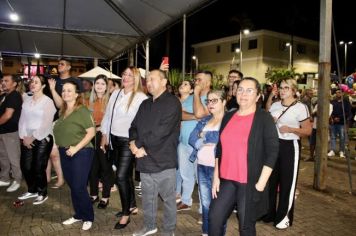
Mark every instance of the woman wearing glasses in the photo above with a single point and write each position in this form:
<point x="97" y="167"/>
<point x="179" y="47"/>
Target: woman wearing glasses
<point x="204" y="138"/>
<point x="245" y="156"/>
<point x="292" y="120"/>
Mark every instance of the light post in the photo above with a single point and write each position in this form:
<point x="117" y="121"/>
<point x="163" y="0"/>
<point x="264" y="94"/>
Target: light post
<point x="195" y="58"/>
<point x="290" y="54"/>
<point x="345" y="45"/>
<point x="245" y="32"/>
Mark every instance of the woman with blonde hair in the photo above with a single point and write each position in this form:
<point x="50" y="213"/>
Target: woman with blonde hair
<point x="73" y="132"/>
<point x="120" y="112"/>
<point x="101" y="168"/>
<point x="291" y="118"/>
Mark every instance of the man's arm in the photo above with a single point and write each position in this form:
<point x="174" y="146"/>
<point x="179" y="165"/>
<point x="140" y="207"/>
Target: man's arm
<point x="200" y="111"/>
<point x="9" y="112"/>
<point x="56" y="97"/>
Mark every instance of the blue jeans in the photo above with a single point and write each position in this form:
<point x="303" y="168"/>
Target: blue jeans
<point x="76" y="171"/>
<point x="337" y="130"/>
<point x="187" y="172"/>
<point x="205" y="180"/>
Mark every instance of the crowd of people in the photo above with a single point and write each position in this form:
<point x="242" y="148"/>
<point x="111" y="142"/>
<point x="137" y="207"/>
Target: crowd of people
<point x="239" y="145"/>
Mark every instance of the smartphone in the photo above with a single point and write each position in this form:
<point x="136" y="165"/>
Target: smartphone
<point x="165" y="60"/>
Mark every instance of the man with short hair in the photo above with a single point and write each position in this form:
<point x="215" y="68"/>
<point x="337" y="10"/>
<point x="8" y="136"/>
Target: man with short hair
<point x="233" y="76"/>
<point x="10" y="151"/>
<point x="153" y="138"/>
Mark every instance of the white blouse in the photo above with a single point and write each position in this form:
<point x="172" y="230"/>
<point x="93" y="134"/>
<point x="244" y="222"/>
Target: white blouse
<point x="36" y="117"/>
<point x="122" y="117"/>
<point x="292" y="117"/>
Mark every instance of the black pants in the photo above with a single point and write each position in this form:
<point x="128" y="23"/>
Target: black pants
<point x="34" y="163"/>
<point x="231" y="194"/>
<point x="284" y="175"/>
<point x="100" y="169"/>
<point x="124" y="159"/>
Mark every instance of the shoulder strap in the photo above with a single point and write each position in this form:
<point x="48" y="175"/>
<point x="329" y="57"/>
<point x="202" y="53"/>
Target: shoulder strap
<point x="295" y="102"/>
<point x="112" y="115"/>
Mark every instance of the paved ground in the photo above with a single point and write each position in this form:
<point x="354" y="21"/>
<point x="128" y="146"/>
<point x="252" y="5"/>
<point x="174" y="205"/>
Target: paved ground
<point x="332" y="212"/>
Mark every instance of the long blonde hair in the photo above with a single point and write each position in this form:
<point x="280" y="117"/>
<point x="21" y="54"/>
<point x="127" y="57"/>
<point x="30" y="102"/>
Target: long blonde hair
<point x="94" y="97"/>
<point x="137" y="84"/>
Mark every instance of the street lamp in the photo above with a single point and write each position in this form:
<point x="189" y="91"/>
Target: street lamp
<point x="345" y="45"/>
<point x="290" y="54"/>
<point x="245" y="32"/>
<point x="195" y="58"/>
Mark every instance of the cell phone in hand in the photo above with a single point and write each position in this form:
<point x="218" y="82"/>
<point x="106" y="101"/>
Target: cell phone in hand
<point x="165" y="60"/>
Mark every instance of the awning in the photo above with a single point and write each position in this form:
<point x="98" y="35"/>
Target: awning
<point x="101" y="29"/>
<point x="91" y="74"/>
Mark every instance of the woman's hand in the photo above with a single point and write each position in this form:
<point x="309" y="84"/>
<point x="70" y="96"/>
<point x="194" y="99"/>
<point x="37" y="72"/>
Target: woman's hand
<point x="216" y="187"/>
<point x="71" y="151"/>
<point x="28" y="142"/>
<point x="284" y="129"/>
<point x="103" y="143"/>
<point x="260" y="187"/>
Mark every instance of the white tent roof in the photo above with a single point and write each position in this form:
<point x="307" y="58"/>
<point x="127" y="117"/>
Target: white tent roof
<point x="101" y="29"/>
<point x="97" y="71"/>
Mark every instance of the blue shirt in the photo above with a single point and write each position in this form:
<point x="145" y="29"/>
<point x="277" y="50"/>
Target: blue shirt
<point x="187" y="126"/>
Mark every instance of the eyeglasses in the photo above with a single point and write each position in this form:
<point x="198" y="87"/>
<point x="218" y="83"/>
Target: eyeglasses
<point x="127" y="74"/>
<point x="61" y="64"/>
<point x="248" y="91"/>
<point x="285" y="89"/>
<point x="212" y="101"/>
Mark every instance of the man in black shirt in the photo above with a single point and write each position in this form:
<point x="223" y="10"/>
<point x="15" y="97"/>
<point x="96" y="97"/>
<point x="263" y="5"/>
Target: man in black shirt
<point x="10" y="152"/>
<point x="154" y="137"/>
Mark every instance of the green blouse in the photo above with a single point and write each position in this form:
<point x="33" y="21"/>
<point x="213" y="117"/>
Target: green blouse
<point x="71" y="130"/>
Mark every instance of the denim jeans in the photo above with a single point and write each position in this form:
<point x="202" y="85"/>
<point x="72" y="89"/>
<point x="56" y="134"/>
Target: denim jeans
<point x="187" y="171"/>
<point x="76" y="173"/>
<point x="205" y="179"/>
<point x="337" y="130"/>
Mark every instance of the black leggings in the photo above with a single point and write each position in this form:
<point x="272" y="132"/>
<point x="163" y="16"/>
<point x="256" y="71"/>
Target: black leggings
<point x="100" y="169"/>
<point x="231" y="194"/>
<point x="124" y="159"/>
<point x="34" y="163"/>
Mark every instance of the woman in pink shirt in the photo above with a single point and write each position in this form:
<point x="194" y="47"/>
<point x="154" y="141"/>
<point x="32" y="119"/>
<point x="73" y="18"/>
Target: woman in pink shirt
<point x="245" y="156"/>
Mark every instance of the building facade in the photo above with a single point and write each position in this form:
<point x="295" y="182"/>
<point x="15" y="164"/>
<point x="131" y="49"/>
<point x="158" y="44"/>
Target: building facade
<point x="261" y="50"/>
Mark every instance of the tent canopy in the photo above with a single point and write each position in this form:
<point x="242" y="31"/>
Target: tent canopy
<point x="101" y="29"/>
<point x="91" y="74"/>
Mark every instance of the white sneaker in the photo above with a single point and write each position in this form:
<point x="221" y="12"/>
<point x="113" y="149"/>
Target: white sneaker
<point x="87" y="225"/>
<point x="283" y="224"/>
<point x="40" y="199"/>
<point x="341" y="154"/>
<point x="13" y="187"/>
<point x="331" y="153"/>
<point x="144" y="232"/>
<point x="4" y="183"/>
<point x="27" y="195"/>
<point x="70" y="221"/>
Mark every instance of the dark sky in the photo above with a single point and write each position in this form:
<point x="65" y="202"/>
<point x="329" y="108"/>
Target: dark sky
<point x="224" y="17"/>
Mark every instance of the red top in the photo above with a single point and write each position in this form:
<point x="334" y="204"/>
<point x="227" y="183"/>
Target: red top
<point x="234" y="142"/>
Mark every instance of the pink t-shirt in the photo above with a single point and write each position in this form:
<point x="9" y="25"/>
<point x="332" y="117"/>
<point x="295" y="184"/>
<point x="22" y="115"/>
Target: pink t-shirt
<point x="234" y="141"/>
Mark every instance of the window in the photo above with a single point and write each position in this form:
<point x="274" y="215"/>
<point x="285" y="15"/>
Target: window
<point x="218" y="49"/>
<point x="234" y="46"/>
<point x="252" y="44"/>
<point x="301" y="49"/>
<point x="282" y="45"/>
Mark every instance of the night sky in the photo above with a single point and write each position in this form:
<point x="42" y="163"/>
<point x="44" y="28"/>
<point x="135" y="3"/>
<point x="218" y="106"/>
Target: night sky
<point x="224" y="17"/>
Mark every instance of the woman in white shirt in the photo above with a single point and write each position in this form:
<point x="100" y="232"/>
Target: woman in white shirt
<point x="121" y="110"/>
<point x="292" y="120"/>
<point x="35" y="131"/>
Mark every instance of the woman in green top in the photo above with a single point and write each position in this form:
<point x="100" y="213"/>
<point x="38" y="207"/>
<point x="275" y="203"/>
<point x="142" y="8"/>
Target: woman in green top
<point x="73" y="132"/>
